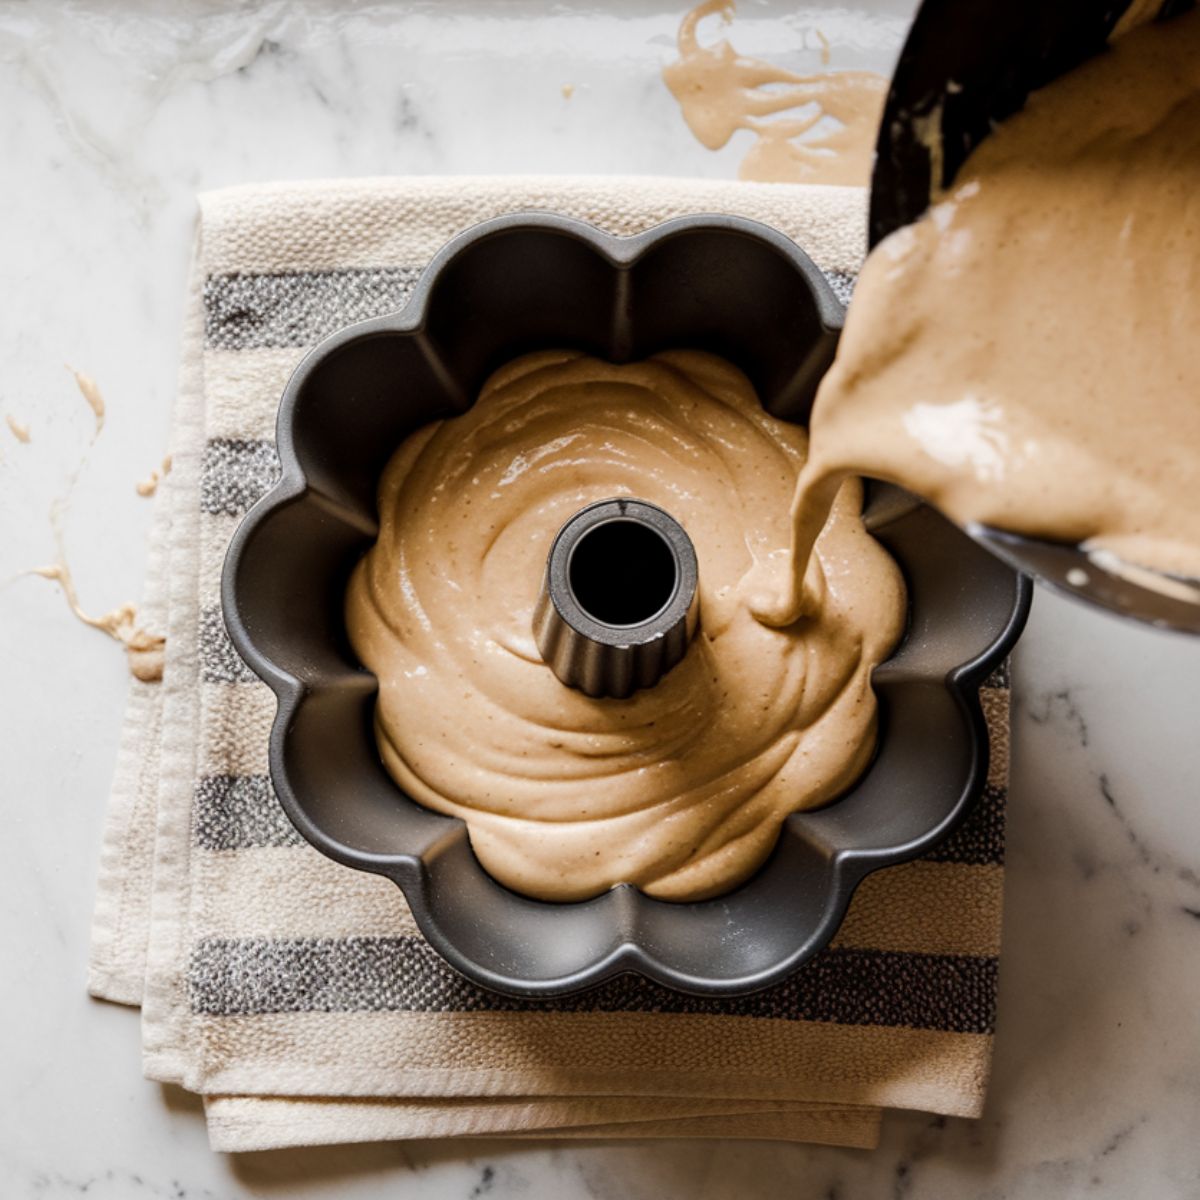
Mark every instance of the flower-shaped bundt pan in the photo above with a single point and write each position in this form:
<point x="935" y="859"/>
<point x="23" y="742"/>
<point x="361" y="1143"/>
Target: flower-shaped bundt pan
<point x="722" y="284"/>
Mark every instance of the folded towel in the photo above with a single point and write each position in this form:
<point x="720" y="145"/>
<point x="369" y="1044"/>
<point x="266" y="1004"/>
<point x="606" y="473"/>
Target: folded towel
<point x="297" y="995"/>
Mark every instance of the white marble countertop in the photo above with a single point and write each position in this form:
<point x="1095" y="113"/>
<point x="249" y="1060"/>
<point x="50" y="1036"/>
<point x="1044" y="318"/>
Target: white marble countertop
<point x="112" y="116"/>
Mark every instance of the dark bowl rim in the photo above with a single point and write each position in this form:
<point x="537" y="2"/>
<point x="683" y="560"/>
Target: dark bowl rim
<point x="848" y="866"/>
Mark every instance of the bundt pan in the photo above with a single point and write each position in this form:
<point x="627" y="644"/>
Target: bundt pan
<point x="515" y="284"/>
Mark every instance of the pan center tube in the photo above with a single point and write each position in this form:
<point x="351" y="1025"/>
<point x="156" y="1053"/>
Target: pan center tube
<point x="619" y="601"/>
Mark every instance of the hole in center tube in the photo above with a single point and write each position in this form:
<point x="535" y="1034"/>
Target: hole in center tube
<point x="622" y="573"/>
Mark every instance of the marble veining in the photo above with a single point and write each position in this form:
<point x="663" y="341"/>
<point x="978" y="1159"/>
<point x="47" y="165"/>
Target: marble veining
<point x="1058" y="706"/>
<point x="112" y="115"/>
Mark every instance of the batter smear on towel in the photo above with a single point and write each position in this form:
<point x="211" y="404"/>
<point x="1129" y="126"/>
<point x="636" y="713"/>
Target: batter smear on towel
<point x="682" y="788"/>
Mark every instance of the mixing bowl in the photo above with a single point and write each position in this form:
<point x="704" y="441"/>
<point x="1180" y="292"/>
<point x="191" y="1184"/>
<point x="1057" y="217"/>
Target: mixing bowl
<point x="519" y="283"/>
<point x="963" y="69"/>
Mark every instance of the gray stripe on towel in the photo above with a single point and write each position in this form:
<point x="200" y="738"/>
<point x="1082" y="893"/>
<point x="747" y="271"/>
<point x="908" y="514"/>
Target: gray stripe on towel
<point x="236" y="473"/>
<point x="842" y="283"/>
<point x="219" y="661"/>
<point x="240" y="977"/>
<point x="979" y="840"/>
<point x="297" y="308"/>
<point x="236" y="812"/>
<point x="1000" y="679"/>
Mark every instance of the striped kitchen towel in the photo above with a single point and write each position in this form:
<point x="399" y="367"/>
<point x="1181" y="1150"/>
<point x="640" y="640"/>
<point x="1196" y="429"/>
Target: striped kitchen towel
<point x="297" y="996"/>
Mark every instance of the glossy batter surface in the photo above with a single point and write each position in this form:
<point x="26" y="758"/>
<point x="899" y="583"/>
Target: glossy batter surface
<point x="682" y="788"/>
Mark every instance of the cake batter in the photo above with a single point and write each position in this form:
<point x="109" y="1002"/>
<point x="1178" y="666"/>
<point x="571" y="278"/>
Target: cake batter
<point x="682" y="788"/>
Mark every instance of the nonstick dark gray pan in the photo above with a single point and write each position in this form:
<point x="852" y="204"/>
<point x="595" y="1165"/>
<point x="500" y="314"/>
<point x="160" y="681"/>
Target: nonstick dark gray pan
<point x="518" y="283"/>
<point x="964" y="68"/>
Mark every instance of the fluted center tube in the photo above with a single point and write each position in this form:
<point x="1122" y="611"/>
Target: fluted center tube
<point x="619" y="600"/>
